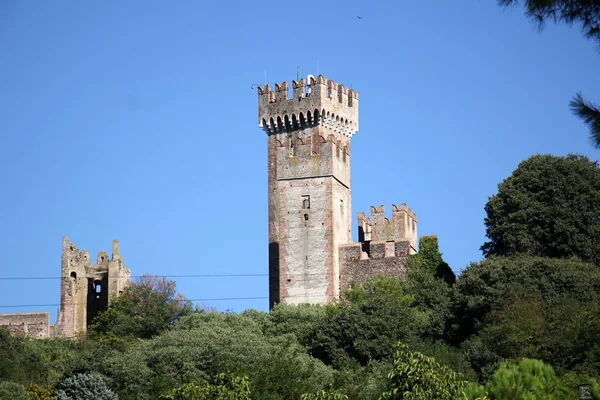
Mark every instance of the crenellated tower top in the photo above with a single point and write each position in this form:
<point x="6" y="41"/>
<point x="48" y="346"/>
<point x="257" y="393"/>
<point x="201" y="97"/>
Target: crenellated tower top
<point x="315" y="101"/>
<point x="402" y="227"/>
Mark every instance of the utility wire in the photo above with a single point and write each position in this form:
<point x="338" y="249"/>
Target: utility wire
<point x="17" y="278"/>
<point x="191" y="300"/>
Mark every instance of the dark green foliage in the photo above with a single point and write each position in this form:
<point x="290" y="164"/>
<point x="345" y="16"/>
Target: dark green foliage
<point x="590" y="114"/>
<point x="323" y="395"/>
<point x="84" y="386"/>
<point x="429" y="283"/>
<point x="585" y="12"/>
<point x="429" y="259"/>
<point x="301" y="320"/>
<point x="201" y="346"/>
<point x="226" y="387"/>
<point x="532" y="307"/>
<point x="446" y="355"/>
<point x="146" y="308"/>
<point x="12" y="391"/>
<point x="368" y="324"/>
<point x="416" y="376"/>
<point x="365" y="383"/>
<point x="548" y="207"/>
<point x="41" y="361"/>
<point x="486" y="285"/>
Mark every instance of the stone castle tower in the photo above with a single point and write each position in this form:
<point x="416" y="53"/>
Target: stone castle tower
<point x="311" y="254"/>
<point x="85" y="290"/>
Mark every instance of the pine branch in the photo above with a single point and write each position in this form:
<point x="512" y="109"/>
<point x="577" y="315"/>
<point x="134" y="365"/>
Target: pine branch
<point x="590" y="114"/>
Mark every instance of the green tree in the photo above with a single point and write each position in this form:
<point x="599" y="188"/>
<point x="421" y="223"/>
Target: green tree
<point x="549" y="207"/>
<point x="429" y="259"/>
<point x="527" y="380"/>
<point x="12" y="391"/>
<point x="227" y="387"/>
<point x="84" y="386"/>
<point x="416" y="376"/>
<point x="523" y="306"/>
<point x="203" y="345"/>
<point x="146" y="308"/>
<point x="585" y="12"/>
<point x="486" y="285"/>
<point x="429" y="283"/>
<point x="369" y="321"/>
<point x="324" y="395"/>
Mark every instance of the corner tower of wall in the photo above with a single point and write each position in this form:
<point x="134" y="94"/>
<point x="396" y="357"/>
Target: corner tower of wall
<point x="308" y="139"/>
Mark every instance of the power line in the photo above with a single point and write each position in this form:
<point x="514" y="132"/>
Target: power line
<point x="17" y="278"/>
<point x="191" y="300"/>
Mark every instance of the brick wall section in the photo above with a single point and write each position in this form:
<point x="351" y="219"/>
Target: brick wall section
<point x="35" y="325"/>
<point x="385" y="259"/>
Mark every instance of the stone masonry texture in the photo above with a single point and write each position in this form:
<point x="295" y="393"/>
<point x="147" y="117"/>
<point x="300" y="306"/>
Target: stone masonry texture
<point x="311" y="254"/>
<point x="86" y="290"/>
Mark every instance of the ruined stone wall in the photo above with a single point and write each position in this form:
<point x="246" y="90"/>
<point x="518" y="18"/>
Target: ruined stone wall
<point x="35" y="325"/>
<point x="87" y="288"/>
<point x="381" y="259"/>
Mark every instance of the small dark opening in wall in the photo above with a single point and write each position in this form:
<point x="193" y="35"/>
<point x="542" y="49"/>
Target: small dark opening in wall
<point x="74" y="275"/>
<point x="71" y="248"/>
<point x="306" y="201"/>
<point x="306" y="217"/>
<point x="102" y="258"/>
<point x="289" y="280"/>
<point x="366" y="247"/>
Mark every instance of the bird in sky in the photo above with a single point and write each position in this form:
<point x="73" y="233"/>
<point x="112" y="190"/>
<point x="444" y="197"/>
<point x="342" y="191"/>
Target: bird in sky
<point x="359" y="17"/>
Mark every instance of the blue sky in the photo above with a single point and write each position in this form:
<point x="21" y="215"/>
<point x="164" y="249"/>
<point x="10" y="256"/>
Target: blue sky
<point x="136" y="121"/>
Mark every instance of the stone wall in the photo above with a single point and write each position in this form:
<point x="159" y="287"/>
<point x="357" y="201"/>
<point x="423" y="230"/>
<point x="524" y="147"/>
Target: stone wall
<point x="29" y="324"/>
<point x="360" y="262"/>
<point x="86" y="290"/>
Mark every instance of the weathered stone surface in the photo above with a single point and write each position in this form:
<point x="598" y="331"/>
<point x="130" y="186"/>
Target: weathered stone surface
<point x="29" y="324"/>
<point x="309" y="186"/>
<point x="86" y="290"/>
<point x="311" y="254"/>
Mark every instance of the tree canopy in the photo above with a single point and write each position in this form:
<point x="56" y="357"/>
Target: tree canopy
<point x="549" y="207"/>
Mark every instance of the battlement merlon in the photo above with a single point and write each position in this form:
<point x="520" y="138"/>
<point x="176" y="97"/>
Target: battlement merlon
<point x="315" y="101"/>
<point x="402" y="227"/>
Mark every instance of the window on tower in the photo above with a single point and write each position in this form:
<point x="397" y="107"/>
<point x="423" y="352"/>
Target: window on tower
<point x="305" y="202"/>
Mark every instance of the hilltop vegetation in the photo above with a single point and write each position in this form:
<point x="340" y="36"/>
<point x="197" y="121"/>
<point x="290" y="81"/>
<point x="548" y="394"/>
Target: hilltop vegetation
<point x="521" y="324"/>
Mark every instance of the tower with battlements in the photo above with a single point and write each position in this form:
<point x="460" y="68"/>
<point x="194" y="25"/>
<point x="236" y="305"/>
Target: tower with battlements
<point x="308" y="137"/>
<point x="311" y="254"/>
